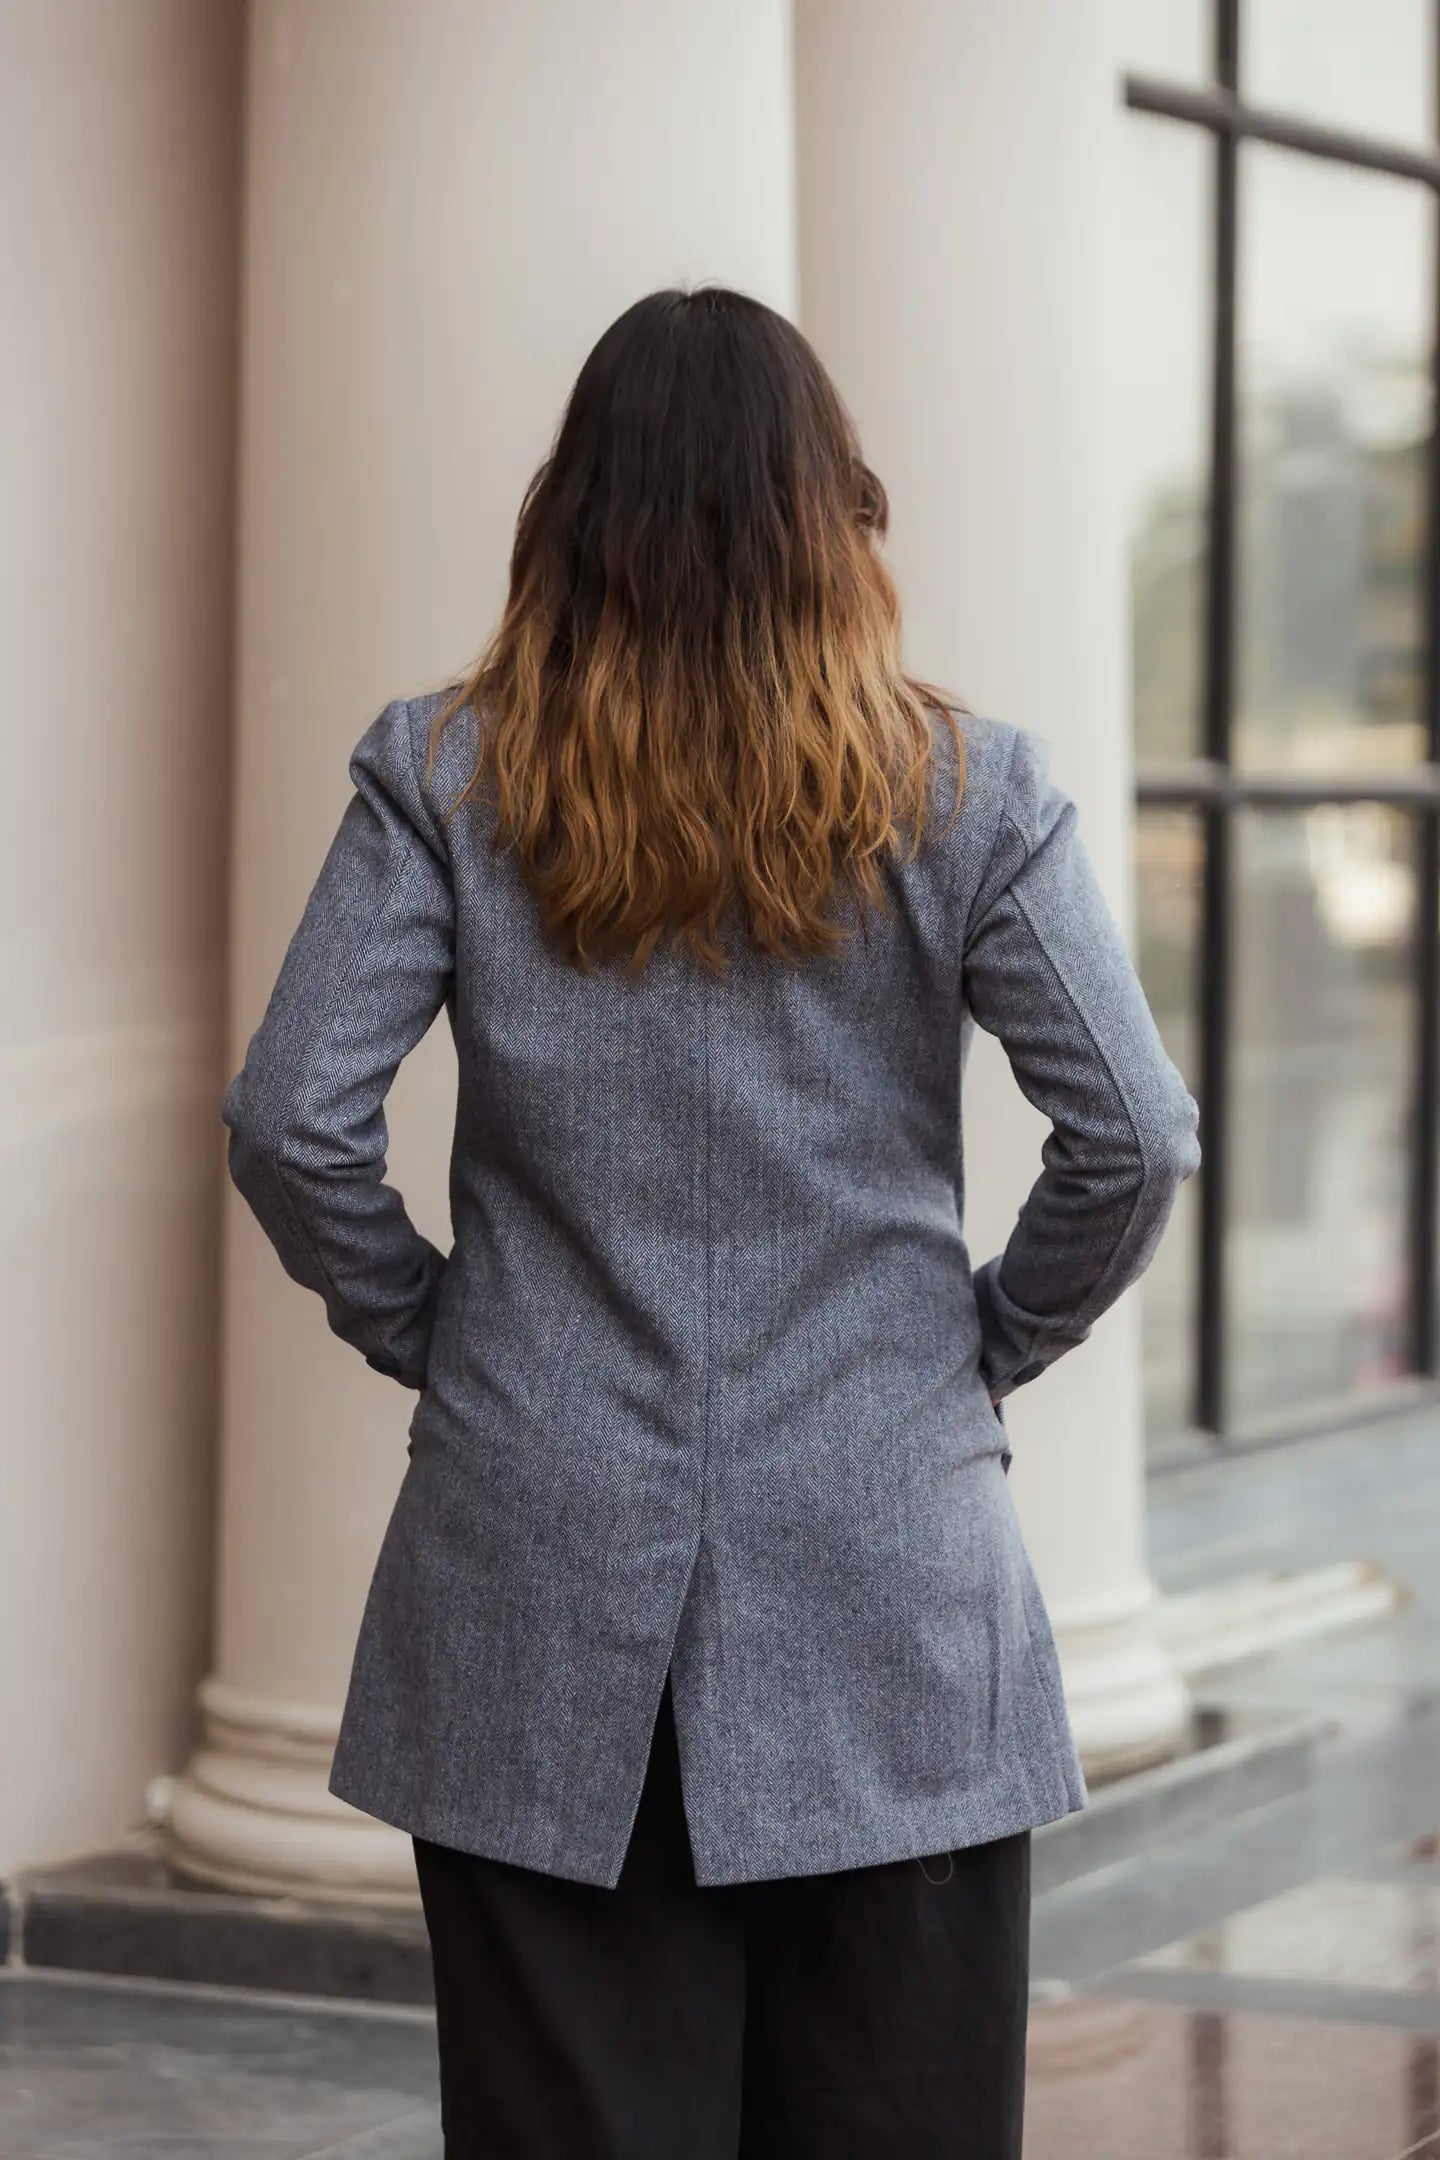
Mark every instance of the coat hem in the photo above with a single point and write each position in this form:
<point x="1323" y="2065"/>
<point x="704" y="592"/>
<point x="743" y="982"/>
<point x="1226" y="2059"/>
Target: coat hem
<point x="874" y="1850"/>
<point x="871" y="1849"/>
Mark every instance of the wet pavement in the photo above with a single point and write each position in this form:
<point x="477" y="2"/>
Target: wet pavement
<point x="1270" y="1989"/>
<point x="90" y="2069"/>
<point x="1302" y="2026"/>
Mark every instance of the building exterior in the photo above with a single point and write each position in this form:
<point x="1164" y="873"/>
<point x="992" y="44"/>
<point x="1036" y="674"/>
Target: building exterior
<point x="1287" y="699"/>
<point x="297" y="292"/>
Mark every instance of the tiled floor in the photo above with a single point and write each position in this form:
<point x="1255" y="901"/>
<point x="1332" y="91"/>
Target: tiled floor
<point x="91" y="2071"/>
<point x="1123" y="2080"/>
<point x="1351" y="1934"/>
<point x="1269" y="1990"/>
<point x="1303" y="2027"/>
<point x="94" y="2069"/>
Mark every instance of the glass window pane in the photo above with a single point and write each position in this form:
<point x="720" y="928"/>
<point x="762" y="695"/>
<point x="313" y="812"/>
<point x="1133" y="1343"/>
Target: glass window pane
<point x="1360" y="64"/>
<point x="1169" y="852"/>
<point x="1170" y="38"/>
<point x="1333" y="416"/>
<point x="1164" y="358"/>
<point x="1319" y="1152"/>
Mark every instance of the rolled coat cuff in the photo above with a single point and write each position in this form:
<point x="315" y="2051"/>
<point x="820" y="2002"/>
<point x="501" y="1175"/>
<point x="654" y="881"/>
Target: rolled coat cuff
<point x="1015" y="1346"/>
<point x="404" y="1354"/>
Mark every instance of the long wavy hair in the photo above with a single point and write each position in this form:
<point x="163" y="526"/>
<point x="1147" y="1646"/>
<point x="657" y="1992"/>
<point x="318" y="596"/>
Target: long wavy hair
<point x="694" y="701"/>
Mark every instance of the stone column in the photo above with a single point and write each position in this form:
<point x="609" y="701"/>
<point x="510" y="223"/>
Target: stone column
<point x="447" y="202"/>
<point x="119" y="160"/>
<point x="961" y="271"/>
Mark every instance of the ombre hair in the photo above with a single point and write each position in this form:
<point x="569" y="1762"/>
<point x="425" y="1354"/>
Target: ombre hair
<point x="694" y="702"/>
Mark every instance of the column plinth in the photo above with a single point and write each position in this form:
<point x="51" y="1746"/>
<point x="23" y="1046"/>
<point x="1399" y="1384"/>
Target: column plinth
<point x="253" y="1811"/>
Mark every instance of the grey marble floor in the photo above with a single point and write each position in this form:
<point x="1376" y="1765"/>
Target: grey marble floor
<point x="1270" y="1989"/>
<point x="99" y="2070"/>
<point x="1372" y="1495"/>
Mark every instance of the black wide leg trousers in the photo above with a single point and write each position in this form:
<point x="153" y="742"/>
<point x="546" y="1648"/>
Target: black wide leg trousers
<point x="876" y="2014"/>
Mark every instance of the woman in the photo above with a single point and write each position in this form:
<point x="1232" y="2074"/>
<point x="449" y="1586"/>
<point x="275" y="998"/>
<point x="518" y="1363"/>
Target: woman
<point x="703" y="1658"/>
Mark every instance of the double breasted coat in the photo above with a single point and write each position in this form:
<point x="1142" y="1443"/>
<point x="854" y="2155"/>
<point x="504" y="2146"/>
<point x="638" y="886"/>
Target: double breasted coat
<point x="707" y="1372"/>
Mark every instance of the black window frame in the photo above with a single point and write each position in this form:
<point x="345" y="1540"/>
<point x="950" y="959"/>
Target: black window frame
<point x="1214" y="788"/>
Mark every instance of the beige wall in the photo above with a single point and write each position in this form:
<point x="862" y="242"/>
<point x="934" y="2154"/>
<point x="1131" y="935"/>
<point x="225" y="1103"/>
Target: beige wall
<point x="118" y="156"/>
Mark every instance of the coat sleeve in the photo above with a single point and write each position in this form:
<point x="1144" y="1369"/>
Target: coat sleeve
<point x="1047" y="972"/>
<point x="366" y="973"/>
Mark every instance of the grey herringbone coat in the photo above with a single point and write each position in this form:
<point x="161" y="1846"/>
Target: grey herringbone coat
<point x="707" y="1374"/>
